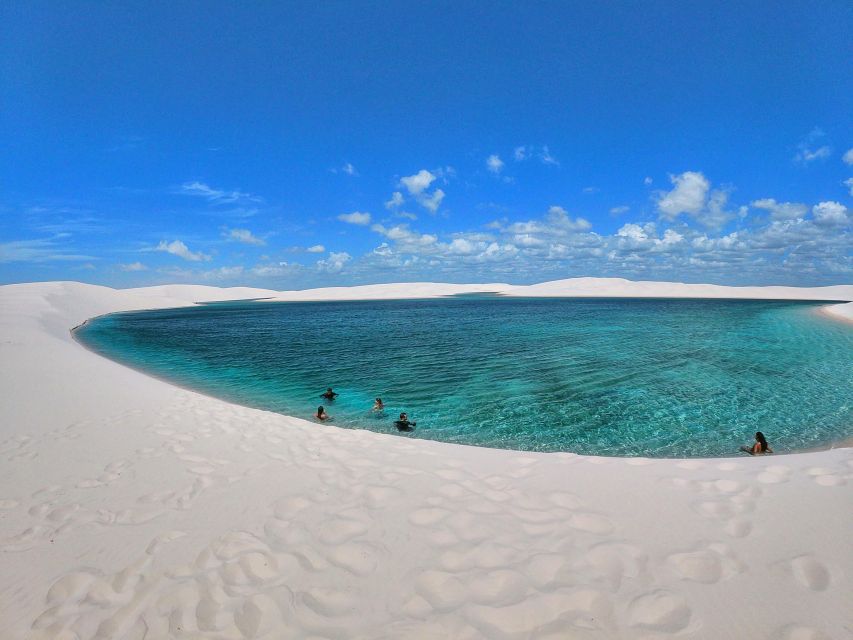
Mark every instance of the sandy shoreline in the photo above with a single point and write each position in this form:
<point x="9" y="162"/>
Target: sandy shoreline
<point x="130" y="508"/>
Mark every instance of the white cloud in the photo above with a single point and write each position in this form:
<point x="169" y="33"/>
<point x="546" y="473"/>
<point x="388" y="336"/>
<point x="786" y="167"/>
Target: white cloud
<point x="693" y="197"/>
<point x="520" y="153"/>
<point x="334" y="263"/>
<point x="243" y="235"/>
<point x="559" y="217"/>
<point x="830" y="214"/>
<point x="223" y="273"/>
<point x="133" y="266"/>
<point x="688" y="196"/>
<point x="647" y="180"/>
<point x="849" y="184"/>
<point x="349" y="169"/>
<point x="280" y="269"/>
<point x="808" y="152"/>
<point x="418" y="183"/>
<point x="806" y="155"/>
<point x="402" y="234"/>
<point x="217" y="196"/>
<point x="178" y="248"/>
<point x="616" y="211"/>
<point x="432" y="202"/>
<point x="848" y="157"/>
<point x="494" y="163"/>
<point x="395" y="201"/>
<point x="546" y="157"/>
<point x="781" y="210"/>
<point x="317" y="248"/>
<point x="356" y="217"/>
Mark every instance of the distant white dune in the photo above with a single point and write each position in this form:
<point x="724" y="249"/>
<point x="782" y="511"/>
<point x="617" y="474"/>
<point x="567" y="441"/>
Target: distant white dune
<point x="132" y="509"/>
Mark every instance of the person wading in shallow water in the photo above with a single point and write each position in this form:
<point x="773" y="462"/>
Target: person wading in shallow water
<point x="759" y="448"/>
<point x="329" y="395"/>
<point x="321" y="414"/>
<point x="403" y="423"/>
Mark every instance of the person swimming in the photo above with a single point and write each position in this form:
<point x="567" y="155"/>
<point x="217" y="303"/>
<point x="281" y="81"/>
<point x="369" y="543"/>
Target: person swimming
<point x="759" y="448"/>
<point x="321" y="414"/>
<point x="378" y="405"/>
<point x="329" y="395"/>
<point x="403" y="424"/>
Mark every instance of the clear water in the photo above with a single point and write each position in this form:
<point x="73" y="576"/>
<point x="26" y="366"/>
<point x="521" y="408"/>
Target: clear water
<point x="656" y="378"/>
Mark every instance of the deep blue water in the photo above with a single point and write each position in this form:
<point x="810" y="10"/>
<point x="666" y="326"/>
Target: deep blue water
<point x="611" y="377"/>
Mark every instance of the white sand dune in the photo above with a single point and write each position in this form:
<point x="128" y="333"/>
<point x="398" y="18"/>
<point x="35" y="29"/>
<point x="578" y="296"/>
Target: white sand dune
<point x="130" y="508"/>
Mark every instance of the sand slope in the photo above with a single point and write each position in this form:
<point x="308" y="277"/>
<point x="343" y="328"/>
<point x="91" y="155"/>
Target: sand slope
<point x="133" y="509"/>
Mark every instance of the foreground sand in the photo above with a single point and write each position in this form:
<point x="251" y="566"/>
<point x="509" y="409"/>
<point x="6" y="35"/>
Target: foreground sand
<point x="130" y="508"/>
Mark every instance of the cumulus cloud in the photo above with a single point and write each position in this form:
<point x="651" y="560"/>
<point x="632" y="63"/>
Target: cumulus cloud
<point x="809" y="151"/>
<point x="848" y="157"/>
<point x="133" y="266"/>
<point x="805" y="155"/>
<point x="692" y="196"/>
<point x="433" y="201"/>
<point x="217" y="196"/>
<point x="178" y="248"/>
<point x="781" y="210"/>
<point x="849" y="184"/>
<point x="334" y="263"/>
<point x="688" y="196"/>
<point x="418" y="183"/>
<point x="494" y="163"/>
<point x="528" y="152"/>
<point x="830" y="214"/>
<point x="317" y="248"/>
<point x="243" y="235"/>
<point x="618" y="211"/>
<point x="395" y="201"/>
<point x="557" y="244"/>
<point x="356" y="217"/>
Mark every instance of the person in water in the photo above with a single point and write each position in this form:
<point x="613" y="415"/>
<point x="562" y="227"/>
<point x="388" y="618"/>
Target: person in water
<point x="321" y="414"/>
<point x="403" y="424"/>
<point x="378" y="405"/>
<point x="329" y="395"/>
<point x="759" y="448"/>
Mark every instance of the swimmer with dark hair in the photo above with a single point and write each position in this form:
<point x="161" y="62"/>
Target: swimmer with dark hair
<point x="378" y="405"/>
<point x="329" y="395"/>
<point x="321" y="414"/>
<point x="403" y="424"/>
<point x="759" y="448"/>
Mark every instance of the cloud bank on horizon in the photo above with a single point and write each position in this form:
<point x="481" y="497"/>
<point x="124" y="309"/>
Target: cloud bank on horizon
<point x="140" y="150"/>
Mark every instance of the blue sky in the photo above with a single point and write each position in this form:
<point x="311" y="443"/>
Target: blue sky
<point x="288" y="145"/>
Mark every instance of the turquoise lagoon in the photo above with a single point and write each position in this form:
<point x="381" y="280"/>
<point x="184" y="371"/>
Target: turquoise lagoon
<point x="618" y="377"/>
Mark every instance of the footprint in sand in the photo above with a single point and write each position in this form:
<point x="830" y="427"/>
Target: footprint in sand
<point x="825" y="477"/>
<point x="797" y="632"/>
<point x="708" y="565"/>
<point x="443" y="591"/>
<point x="738" y="528"/>
<point x="661" y="611"/>
<point x="775" y="474"/>
<point x="810" y="572"/>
